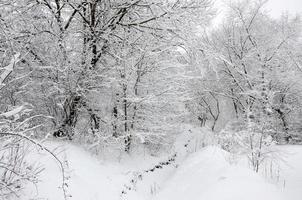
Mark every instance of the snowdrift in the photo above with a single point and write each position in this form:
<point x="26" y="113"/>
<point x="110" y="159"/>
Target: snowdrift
<point x="206" y="175"/>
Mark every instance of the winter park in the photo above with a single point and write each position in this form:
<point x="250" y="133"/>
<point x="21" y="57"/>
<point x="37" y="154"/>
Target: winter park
<point x="150" y="100"/>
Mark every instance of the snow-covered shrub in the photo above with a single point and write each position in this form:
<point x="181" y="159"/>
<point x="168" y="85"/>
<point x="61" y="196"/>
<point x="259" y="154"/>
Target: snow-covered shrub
<point x="256" y="144"/>
<point x="15" y="171"/>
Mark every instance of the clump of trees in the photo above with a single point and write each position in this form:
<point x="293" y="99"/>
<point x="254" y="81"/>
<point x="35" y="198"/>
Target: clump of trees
<point x="95" y="72"/>
<point x="252" y="67"/>
<point x="98" y="69"/>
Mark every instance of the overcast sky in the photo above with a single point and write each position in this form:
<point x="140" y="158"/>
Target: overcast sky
<point x="275" y="8"/>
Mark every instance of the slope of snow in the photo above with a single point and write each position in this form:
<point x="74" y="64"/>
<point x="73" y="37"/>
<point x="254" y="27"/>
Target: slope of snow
<point x="207" y="175"/>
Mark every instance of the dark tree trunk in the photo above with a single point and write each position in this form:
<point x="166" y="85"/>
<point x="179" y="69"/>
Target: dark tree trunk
<point x="85" y="38"/>
<point x="94" y="120"/>
<point x="70" y="107"/>
<point x="284" y="123"/>
<point x="115" y="134"/>
<point x="214" y="124"/>
<point x="94" y="51"/>
<point x="115" y="115"/>
<point x="125" y="107"/>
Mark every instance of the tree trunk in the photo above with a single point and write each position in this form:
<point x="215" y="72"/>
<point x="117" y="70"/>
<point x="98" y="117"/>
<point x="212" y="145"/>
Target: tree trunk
<point x="93" y="7"/>
<point x="70" y="107"/>
<point x="126" y="129"/>
<point x="214" y="124"/>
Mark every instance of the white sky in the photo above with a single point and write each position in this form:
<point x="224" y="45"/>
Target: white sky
<point x="277" y="7"/>
<point x="274" y="7"/>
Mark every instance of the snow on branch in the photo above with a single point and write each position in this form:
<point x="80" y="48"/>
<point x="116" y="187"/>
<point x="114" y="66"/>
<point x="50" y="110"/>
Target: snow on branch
<point x="42" y="147"/>
<point x="13" y="112"/>
<point x="9" y="68"/>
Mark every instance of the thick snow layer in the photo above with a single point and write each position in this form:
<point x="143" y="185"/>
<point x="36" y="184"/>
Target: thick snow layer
<point x="203" y="175"/>
<point x="207" y="175"/>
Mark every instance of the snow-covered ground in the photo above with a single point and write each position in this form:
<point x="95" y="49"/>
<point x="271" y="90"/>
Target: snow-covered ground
<point x="291" y="172"/>
<point x="87" y="178"/>
<point x="205" y="174"/>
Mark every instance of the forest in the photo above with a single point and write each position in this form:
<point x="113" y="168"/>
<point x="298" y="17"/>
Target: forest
<point x="147" y="82"/>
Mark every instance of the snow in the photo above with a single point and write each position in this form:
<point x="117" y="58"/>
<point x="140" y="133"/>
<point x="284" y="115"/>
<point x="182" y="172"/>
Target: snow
<point x="291" y="172"/>
<point x="13" y="112"/>
<point x="207" y="175"/>
<point x="89" y="179"/>
<point x="204" y="174"/>
<point x="9" y="68"/>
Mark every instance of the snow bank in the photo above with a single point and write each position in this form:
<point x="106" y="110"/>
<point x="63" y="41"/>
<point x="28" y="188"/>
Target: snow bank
<point x="207" y="175"/>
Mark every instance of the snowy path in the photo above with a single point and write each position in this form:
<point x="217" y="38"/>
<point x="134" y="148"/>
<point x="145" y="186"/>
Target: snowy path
<point x="292" y="172"/>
